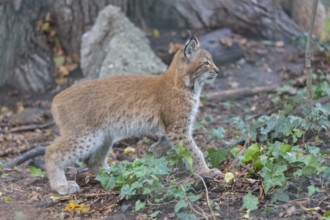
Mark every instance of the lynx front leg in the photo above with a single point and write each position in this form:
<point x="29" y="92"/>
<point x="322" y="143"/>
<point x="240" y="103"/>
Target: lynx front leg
<point x="199" y="164"/>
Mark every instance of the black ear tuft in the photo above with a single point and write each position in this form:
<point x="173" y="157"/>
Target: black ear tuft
<point x="191" y="46"/>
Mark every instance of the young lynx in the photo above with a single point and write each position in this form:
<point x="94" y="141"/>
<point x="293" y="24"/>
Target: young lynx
<point x="94" y="114"/>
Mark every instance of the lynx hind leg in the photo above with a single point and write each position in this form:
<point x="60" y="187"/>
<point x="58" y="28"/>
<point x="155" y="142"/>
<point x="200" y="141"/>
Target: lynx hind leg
<point x="57" y="156"/>
<point x="65" y="151"/>
<point x="160" y="147"/>
<point x="99" y="158"/>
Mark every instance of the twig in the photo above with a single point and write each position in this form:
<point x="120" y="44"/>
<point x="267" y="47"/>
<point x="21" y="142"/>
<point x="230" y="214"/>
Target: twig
<point x="207" y="195"/>
<point x="237" y="93"/>
<point x="30" y="127"/>
<point x="308" y="56"/>
<point x="322" y="100"/>
<point x="26" y="156"/>
<point x="246" y="145"/>
<point x="160" y="204"/>
<point x="91" y="195"/>
<point x="192" y="207"/>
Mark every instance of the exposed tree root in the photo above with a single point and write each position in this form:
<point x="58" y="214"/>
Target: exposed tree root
<point x="38" y="151"/>
<point x="242" y="92"/>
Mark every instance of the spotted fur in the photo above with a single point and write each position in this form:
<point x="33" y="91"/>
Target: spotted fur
<point x="94" y="114"/>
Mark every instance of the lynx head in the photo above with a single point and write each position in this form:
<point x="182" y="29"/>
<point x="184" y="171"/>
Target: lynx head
<point x="195" y="65"/>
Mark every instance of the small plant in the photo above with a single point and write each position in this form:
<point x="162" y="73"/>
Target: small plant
<point x="132" y="178"/>
<point x="288" y="96"/>
<point x="151" y="177"/>
<point x="280" y="151"/>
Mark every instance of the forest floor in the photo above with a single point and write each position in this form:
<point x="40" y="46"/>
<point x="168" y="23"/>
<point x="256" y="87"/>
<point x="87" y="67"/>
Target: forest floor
<point x="26" y="123"/>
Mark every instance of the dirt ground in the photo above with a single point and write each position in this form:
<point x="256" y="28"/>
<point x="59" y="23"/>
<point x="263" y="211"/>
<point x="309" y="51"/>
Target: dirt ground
<point x="23" y="196"/>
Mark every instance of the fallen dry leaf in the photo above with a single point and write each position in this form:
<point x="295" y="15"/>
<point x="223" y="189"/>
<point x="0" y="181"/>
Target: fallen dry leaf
<point x="61" y="80"/>
<point x="73" y="206"/>
<point x="226" y="41"/>
<point x="229" y="177"/>
<point x="63" y="71"/>
<point x="279" y="44"/>
<point x="129" y="150"/>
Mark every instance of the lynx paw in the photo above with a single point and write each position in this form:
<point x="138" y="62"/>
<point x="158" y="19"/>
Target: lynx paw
<point x="67" y="188"/>
<point x="96" y="169"/>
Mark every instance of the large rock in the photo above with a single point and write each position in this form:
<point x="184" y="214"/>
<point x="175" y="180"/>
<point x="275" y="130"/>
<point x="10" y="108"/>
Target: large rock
<point x="222" y="53"/>
<point x="114" y="46"/>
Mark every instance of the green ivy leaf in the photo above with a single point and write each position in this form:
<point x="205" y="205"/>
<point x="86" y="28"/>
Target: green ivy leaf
<point x="235" y="151"/>
<point x="182" y="152"/>
<point x="217" y="156"/>
<point x="139" y="205"/>
<point x="251" y="153"/>
<point x="154" y="214"/>
<point x="218" y="133"/>
<point x="37" y="172"/>
<point x="186" y="216"/>
<point x="179" y="205"/>
<point x="273" y="175"/>
<point x="250" y="202"/>
<point x="312" y="189"/>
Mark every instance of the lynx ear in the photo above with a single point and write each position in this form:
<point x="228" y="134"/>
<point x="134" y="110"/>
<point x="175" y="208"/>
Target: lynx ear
<point x="191" y="46"/>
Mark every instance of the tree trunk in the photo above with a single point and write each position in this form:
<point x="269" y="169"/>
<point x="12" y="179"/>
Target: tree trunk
<point x="25" y="58"/>
<point x="259" y="18"/>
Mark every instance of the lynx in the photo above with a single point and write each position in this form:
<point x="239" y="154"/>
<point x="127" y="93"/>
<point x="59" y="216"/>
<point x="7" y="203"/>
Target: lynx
<point x="94" y="114"/>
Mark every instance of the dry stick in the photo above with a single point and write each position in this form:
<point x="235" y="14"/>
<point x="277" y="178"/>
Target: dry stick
<point x="308" y="56"/>
<point x="192" y="206"/>
<point x="207" y="195"/>
<point x="26" y="156"/>
<point x="246" y="145"/>
<point x="235" y="93"/>
<point x="30" y="127"/>
<point x="322" y="100"/>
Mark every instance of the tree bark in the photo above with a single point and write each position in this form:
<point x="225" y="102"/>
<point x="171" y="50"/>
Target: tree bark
<point x="259" y="18"/>
<point x="25" y="57"/>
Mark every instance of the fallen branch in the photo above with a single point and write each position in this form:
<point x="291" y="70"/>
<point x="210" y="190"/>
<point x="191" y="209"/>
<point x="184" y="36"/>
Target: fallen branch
<point x="322" y="100"/>
<point x="247" y="144"/>
<point x="242" y="92"/>
<point x="30" y="127"/>
<point x="38" y="151"/>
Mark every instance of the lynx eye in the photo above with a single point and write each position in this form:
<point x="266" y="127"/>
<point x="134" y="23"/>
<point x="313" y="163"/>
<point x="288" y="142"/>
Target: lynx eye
<point x="207" y="62"/>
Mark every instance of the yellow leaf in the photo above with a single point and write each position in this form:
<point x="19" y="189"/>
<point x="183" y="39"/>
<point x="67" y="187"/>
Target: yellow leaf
<point x="299" y="154"/>
<point x="247" y="215"/>
<point x="6" y="198"/>
<point x="61" y="80"/>
<point x="73" y="206"/>
<point x="315" y="209"/>
<point x="45" y="27"/>
<point x="129" y="150"/>
<point x="63" y="70"/>
<point x="54" y="197"/>
<point x="226" y="41"/>
<point x="19" y="107"/>
<point x="229" y="177"/>
<point x="155" y="33"/>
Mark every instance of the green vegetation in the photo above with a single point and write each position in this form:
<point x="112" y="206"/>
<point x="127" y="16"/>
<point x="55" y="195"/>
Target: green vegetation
<point x="285" y="148"/>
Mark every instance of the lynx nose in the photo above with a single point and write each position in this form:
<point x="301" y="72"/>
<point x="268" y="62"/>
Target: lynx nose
<point x="217" y="71"/>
